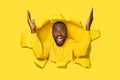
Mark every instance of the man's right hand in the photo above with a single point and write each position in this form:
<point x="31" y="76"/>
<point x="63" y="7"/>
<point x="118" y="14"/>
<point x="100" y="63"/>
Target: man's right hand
<point x="31" y="22"/>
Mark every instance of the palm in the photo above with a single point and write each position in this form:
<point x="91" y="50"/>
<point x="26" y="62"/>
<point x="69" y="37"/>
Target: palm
<point x="31" y="22"/>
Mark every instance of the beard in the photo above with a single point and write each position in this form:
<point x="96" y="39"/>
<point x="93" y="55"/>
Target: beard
<point x="59" y="40"/>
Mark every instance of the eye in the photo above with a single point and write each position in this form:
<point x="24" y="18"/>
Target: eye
<point x="55" y="30"/>
<point x="63" y="30"/>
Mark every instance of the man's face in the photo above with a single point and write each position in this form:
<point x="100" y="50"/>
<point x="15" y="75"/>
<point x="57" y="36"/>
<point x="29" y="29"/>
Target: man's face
<point x="59" y="33"/>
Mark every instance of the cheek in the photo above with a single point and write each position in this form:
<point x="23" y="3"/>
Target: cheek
<point x="64" y="34"/>
<point x="54" y="35"/>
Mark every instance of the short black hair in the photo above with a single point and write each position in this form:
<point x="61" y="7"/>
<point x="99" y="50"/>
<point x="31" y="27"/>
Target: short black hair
<point x="59" y="22"/>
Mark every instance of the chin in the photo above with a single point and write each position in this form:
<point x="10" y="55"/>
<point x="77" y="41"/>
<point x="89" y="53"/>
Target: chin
<point x="59" y="44"/>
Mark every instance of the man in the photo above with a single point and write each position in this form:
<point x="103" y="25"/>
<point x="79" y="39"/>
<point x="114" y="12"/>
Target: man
<point x="62" y="49"/>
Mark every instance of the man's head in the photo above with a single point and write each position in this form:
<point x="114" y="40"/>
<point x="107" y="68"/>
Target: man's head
<point x="59" y="33"/>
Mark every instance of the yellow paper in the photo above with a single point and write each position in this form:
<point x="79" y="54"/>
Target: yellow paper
<point x="17" y="63"/>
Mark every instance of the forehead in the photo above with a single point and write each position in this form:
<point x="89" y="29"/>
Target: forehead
<point x="59" y="25"/>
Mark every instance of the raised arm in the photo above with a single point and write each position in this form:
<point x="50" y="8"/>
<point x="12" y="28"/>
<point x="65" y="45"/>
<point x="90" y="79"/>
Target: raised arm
<point x="81" y="48"/>
<point x="38" y="49"/>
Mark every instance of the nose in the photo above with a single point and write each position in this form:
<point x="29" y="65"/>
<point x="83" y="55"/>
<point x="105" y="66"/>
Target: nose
<point x="59" y="32"/>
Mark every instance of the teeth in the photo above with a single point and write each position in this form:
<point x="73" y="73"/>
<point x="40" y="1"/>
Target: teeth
<point x="59" y="37"/>
<point x="59" y="40"/>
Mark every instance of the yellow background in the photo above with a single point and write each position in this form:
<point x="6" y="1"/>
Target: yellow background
<point x="16" y="63"/>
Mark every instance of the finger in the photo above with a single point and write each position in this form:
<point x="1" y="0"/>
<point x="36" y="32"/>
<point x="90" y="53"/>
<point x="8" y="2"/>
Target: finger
<point x="89" y="21"/>
<point x="28" y="15"/>
<point x="33" y="21"/>
<point x="91" y="14"/>
<point x="29" y="18"/>
<point x="91" y="11"/>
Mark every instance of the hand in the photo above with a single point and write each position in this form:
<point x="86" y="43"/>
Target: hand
<point x="31" y="22"/>
<point x="89" y="21"/>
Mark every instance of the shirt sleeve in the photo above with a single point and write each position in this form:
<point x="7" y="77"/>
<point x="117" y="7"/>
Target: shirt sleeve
<point x="32" y="41"/>
<point x="80" y="48"/>
<point x="94" y="34"/>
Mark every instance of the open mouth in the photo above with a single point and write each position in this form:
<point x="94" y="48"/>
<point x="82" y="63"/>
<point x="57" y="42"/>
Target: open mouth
<point x="59" y="39"/>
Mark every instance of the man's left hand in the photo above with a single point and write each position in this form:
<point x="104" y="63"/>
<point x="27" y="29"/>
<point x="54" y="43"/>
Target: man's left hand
<point x="89" y="21"/>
